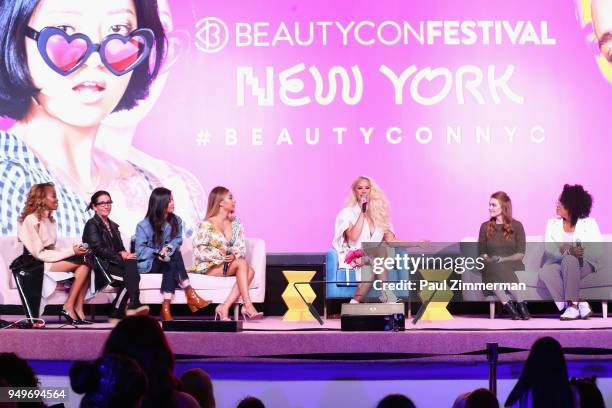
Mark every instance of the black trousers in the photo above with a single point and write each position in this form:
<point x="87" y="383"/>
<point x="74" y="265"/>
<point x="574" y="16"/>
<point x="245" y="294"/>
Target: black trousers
<point x="173" y="272"/>
<point x="131" y="282"/>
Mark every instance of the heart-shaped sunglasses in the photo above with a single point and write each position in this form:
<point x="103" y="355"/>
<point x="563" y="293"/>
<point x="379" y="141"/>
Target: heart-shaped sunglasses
<point x="66" y="53"/>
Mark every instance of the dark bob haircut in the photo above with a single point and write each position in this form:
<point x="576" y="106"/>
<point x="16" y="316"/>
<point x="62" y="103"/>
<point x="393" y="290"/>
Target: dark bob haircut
<point x="16" y="87"/>
<point x="94" y="198"/>
<point x="577" y="201"/>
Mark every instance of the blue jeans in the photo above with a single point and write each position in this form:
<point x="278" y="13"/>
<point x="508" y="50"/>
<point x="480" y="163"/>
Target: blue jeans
<point x="173" y="272"/>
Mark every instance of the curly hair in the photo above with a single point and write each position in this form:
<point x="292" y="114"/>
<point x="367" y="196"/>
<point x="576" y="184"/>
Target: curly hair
<point x="34" y="202"/>
<point x="506" y="206"/>
<point x="577" y="201"/>
<point x="378" y="206"/>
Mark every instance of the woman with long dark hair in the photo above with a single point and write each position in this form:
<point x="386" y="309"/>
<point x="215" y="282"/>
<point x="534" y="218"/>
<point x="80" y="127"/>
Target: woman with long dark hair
<point x="544" y="382"/>
<point x="104" y="239"/>
<point x="501" y="242"/>
<point x="573" y="249"/>
<point x="38" y="233"/>
<point x="219" y="249"/>
<point x="158" y="240"/>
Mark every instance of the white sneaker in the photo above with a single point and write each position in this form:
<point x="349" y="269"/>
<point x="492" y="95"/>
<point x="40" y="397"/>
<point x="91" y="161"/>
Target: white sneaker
<point x="571" y="313"/>
<point x="585" y="310"/>
<point x="353" y="301"/>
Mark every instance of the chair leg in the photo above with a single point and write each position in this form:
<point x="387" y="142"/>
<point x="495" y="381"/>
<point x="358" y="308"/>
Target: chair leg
<point x="325" y="309"/>
<point x="236" y="311"/>
<point x="491" y="309"/>
<point x="604" y="309"/>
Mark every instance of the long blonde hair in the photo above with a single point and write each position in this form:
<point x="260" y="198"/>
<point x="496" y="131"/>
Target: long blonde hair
<point x="378" y="207"/>
<point x="215" y="197"/>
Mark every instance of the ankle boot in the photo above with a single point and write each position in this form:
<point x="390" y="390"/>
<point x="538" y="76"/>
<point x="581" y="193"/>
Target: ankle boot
<point x="165" y="310"/>
<point x="522" y="309"/>
<point x="194" y="301"/>
<point x="511" y="309"/>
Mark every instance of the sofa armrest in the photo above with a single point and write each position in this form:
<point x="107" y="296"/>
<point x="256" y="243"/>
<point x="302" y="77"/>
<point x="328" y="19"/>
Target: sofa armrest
<point x="256" y="257"/>
<point x="331" y="265"/>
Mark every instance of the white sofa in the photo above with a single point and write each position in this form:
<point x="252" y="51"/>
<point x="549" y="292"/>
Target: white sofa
<point x="595" y="286"/>
<point x="209" y="287"/>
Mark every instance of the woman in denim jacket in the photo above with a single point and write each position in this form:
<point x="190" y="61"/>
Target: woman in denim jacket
<point x="158" y="242"/>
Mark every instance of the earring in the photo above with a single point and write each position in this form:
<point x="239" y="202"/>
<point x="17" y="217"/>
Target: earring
<point x="33" y="97"/>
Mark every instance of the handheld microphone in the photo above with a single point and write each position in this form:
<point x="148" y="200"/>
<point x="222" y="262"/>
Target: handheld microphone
<point x="162" y="258"/>
<point x="580" y="259"/>
<point x="226" y="264"/>
<point x="364" y="205"/>
<point x="85" y="246"/>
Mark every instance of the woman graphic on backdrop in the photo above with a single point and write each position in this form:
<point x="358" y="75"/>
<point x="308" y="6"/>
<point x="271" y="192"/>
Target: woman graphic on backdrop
<point x="65" y="67"/>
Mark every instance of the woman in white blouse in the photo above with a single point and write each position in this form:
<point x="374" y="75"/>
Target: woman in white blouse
<point x="573" y="248"/>
<point x="364" y="219"/>
<point x="38" y="233"/>
<point x="219" y="249"/>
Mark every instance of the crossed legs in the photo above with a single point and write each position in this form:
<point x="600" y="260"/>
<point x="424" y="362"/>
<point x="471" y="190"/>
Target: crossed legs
<point x="244" y="276"/>
<point x="76" y="296"/>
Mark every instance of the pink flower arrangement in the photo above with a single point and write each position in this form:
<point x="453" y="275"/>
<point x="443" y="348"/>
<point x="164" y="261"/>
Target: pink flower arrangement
<point x="352" y="255"/>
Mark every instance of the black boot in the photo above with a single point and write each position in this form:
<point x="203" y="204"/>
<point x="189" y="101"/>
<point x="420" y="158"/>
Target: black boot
<point x="118" y="307"/>
<point x="511" y="310"/>
<point x="522" y="308"/>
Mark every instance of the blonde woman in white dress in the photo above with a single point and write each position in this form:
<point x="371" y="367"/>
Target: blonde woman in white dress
<point x="364" y="219"/>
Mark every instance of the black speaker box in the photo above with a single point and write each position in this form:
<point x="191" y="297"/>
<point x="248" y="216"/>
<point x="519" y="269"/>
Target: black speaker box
<point x="202" y="325"/>
<point x="373" y="322"/>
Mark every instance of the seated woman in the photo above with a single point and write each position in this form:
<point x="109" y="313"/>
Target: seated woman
<point x="38" y="233"/>
<point x="573" y="249"/>
<point x="219" y="249"/>
<point x="501" y="243"/>
<point x="104" y="239"/>
<point x="365" y="219"/>
<point x="158" y="240"/>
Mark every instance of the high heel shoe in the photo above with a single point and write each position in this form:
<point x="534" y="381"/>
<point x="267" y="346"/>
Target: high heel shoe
<point x="70" y="319"/>
<point x="81" y="320"/>
<point x="221" y="317"/>
<point x="252" y="316"/>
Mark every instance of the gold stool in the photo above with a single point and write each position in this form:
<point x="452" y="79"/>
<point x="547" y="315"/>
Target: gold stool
<point x="436" y="309"/>
<point x="297" y="309"/>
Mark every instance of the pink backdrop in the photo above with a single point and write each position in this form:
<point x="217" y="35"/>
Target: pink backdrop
<point x="290" y="194"/>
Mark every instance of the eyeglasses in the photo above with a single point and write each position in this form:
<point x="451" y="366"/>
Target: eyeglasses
<point x="104" y="203"/>
<point x="66" y="53"/>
